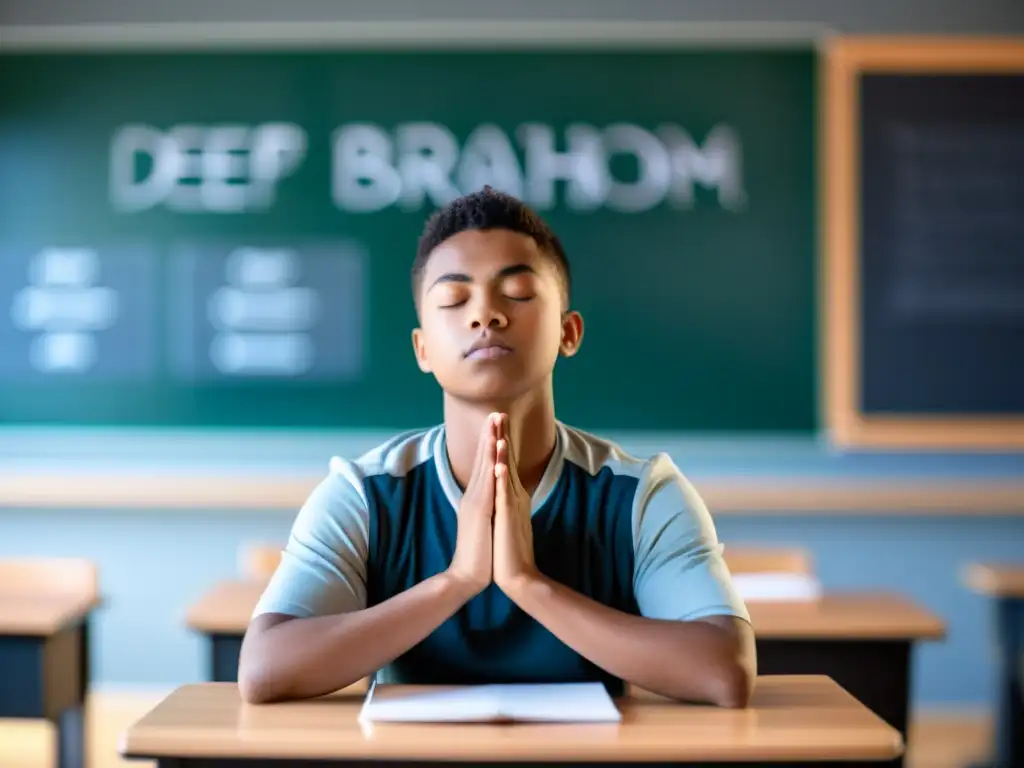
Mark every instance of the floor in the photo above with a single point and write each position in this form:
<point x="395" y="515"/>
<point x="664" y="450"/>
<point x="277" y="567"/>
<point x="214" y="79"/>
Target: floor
<point x="938" y="739"/>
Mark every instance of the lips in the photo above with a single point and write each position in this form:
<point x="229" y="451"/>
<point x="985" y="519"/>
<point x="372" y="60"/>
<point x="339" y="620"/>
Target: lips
<point x="489" y="352"/>
<point x="488" y="348"/>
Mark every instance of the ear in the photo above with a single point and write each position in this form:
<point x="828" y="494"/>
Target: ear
<point x="572" y="333"/>
<point x="419" y="348"/>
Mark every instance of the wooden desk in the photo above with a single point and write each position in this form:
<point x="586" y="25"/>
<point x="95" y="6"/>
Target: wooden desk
<point x="44" y="664"/>
<point x="862" y="641"/>
<point x="222" y="616"/>
<point x="1005" y="585"/>
<point x="792" y="720"/>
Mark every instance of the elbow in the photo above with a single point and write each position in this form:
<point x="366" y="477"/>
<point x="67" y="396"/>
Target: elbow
<point x="734" y="686"/>
<point x="253" y="686"/>
<point x="255" y="676"/>
<point x="259" y="678"/>
<point x="737" y="676"/>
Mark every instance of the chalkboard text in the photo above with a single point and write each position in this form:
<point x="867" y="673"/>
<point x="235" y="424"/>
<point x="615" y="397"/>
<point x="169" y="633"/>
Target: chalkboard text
<point x="202" y="168"/>
<point x="423" y="163"/>
<point x="237" y="168"/>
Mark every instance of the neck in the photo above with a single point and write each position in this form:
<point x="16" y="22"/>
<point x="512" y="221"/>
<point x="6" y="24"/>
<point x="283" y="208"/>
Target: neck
<point x="531" y="423"/>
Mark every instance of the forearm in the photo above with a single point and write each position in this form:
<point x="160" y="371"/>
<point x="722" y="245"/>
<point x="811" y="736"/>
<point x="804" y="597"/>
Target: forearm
<point x="303" y="658"/>
<point x="689" y="661"/>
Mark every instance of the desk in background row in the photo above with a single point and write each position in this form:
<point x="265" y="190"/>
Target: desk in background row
<point x="1005" y="585"/>
<point x="44" y="664"/>
<point x="862" y="641"/>
<point x="791" y="721"/>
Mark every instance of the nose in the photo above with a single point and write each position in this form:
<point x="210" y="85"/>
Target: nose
<point x="486" y="314"/>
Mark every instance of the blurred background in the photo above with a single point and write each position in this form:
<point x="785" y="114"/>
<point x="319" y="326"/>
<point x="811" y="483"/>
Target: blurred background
<point x="800" y="259"/>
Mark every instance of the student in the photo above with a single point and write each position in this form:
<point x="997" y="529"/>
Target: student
<point x="503" y="545"/>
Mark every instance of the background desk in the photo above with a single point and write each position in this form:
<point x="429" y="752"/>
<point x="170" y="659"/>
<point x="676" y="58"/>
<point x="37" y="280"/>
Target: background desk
<point x="1005" y="585"/>
<point x="44" y="665"/>
<point x="792" y="720"/>
<point x="861" y="641"/>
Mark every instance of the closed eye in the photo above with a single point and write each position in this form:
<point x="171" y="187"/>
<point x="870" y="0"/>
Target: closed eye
<point x="455" y="304"/>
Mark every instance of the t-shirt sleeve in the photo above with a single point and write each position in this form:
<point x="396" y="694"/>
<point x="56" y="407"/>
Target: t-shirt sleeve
<point x="680" y="572"/>
<point x="323" y="565"/>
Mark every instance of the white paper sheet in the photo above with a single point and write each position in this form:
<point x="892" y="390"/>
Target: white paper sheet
<point x="777" y="587"/>
<point x="558" y="702"/>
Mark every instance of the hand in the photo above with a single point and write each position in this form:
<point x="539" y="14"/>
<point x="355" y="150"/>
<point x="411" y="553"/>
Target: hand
<point x="472" y="562"/>
<point x="513" y="529"/>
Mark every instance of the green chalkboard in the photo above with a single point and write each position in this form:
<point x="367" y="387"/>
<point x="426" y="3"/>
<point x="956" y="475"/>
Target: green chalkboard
<point x="223" y="239"/>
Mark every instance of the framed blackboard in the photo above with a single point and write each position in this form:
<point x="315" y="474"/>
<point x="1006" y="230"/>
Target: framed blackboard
<point x="221" y="237"/>
<point x="923" y="292"/>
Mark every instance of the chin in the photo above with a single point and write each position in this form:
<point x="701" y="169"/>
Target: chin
<point x="491" y="389"/>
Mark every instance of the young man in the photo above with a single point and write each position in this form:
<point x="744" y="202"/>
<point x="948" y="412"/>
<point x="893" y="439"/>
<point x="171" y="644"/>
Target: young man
<point x="503" y="545"/>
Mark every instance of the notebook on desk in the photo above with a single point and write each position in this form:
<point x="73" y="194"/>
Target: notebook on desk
<point x="777" y="587"/>
<point x="517" y="702"/>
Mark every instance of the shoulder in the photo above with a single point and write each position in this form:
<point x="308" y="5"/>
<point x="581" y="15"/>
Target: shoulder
<point x="658" y="488"/>
<point x="341" y="499"/>
<point x="324" y="565"/>
<point x="597" y="454"/>
<point x="395" y="458"/>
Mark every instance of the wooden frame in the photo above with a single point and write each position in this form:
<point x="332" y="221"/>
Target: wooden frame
<point x="845" y="59"/>
<point x="416" y="34"/>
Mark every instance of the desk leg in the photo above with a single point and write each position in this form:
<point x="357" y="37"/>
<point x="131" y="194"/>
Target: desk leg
<point x="70" y="737"/>
<point x="875" y="672"/>
<point x="224" y="653"/>
<point x="70" y="722"/>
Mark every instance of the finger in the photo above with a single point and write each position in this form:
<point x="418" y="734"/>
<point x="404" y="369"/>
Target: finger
<point x="502" y="469"/>
<point x="493" y="435"/>
<point x="500" y="420"/>
<point x="485" y="450"/>
<point x="510" y="459"/>
<point x="501" y="495"/>
<point x="485" y="483"/>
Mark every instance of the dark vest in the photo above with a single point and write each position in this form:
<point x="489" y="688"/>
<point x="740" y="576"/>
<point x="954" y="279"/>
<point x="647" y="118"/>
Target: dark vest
<point x="583" y="538"/>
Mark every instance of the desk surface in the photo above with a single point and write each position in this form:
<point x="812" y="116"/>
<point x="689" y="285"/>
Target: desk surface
<point x="846" y="616"/>
<point x="790" y="718"/>
<point x="996" y="580"/>
<point x="40" y="614"/>
<point x="228" y="607"/>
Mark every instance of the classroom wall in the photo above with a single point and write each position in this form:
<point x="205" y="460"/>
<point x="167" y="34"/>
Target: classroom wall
<point x="155" y="563"/>
<point x="893" y="16"/>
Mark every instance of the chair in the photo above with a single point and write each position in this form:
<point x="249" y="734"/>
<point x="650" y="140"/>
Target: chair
<point x="257" y="561"/>
<point x="49" y="575"/>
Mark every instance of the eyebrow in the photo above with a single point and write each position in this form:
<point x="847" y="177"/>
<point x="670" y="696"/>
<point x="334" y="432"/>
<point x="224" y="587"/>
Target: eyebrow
<point x="460" y="277"/>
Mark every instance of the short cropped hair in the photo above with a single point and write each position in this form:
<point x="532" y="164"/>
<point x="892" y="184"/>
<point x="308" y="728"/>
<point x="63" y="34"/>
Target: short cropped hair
<point x="488" y="208"/>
